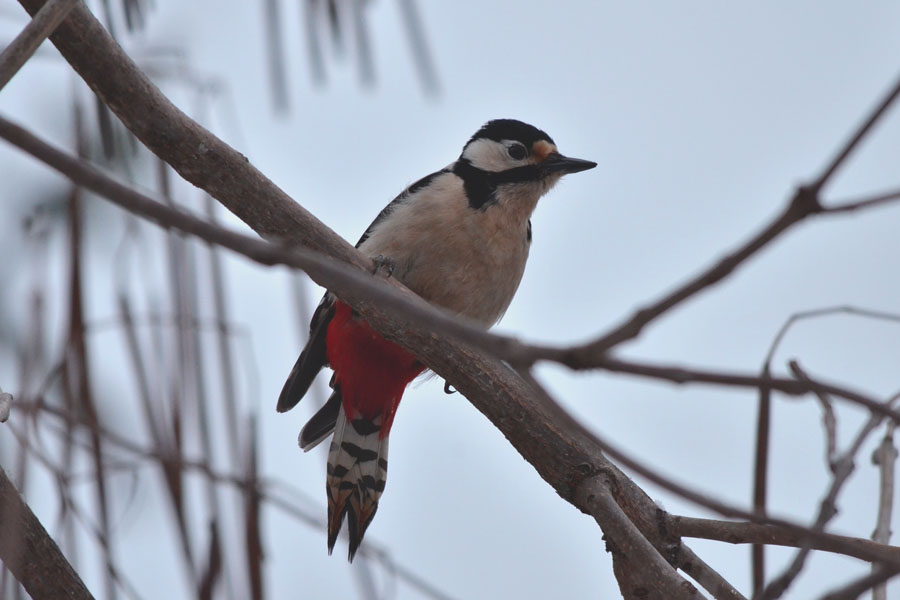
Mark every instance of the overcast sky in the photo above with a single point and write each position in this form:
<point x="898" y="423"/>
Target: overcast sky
<point x="703" y="116"/>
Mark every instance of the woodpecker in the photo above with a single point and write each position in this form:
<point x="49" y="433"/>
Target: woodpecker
<point x="459" y="238"/>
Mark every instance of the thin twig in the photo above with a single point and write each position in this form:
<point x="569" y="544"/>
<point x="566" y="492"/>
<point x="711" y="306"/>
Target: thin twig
<point x="190" y="371"/>
<point x="855" y="589"/>
<point x="743" y="532"/>
<point x="727" y="510"/>
<point x="829" y="420"/>
<point x="804" y="203"/>
<point x="33" y="35"/>
<point x="710" y="579"/>
<point x="275" y="56"/>
<point x="791" y="387"/>
<point x="784" y="526"/>
<point x="760" y="471"/>
<point x="419" y="46"/>
<point x="62" y="479"/>
<point x="77" y="384"/>
<point x="227" y="369"/>
<point x="761" y="475"/>
<point x="285" y="501"/>
<point x="827" y="508"/>
<point x="862" y="203"/>
<point x="861" y="132"/>
<point x="885" y="457"/>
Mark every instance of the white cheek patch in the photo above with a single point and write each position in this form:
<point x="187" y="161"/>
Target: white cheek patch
<point x="487" y="155"/>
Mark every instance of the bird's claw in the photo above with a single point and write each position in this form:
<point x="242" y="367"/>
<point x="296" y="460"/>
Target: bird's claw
<point x="384" y="262"/>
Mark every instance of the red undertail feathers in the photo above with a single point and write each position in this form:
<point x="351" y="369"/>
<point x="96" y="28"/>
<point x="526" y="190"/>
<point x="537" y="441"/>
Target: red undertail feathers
<point x="370" y="374"/>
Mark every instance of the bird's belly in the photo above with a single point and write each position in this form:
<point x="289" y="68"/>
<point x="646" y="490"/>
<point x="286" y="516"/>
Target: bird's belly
<point x="475" y="280"/>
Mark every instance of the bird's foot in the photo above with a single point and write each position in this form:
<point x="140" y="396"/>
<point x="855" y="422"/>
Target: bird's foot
<point x="384" y="263"/>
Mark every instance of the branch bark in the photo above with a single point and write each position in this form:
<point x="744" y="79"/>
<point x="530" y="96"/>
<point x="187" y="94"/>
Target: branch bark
<point x="31" y="555"/>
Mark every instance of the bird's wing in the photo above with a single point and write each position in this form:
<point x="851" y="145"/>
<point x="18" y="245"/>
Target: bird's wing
<point x="314" y="355"/>
<point x="312" y="358"/>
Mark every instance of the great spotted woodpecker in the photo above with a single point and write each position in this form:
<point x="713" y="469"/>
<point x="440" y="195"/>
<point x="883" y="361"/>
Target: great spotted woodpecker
<point x="459" y="238"/>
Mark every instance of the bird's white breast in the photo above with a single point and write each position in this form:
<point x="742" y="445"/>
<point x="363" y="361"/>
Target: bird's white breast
<point x="469" y="261"/>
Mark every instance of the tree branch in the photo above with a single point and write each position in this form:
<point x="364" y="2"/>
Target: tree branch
<point x="855" y="589"/>
<point x="26" y="43"/>
<point x="862" y="203"/>
<point x="885" y="457"/>
<point x="31" y="555"/>
<point x="842" y="469"/>
<point x="743" y="532"/>
<point x="791" y="387"/>
<point x="635" y="560"/>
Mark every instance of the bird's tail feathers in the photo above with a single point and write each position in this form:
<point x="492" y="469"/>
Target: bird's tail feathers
<point x="357" y="471"/>
<point x="321" y="424"/>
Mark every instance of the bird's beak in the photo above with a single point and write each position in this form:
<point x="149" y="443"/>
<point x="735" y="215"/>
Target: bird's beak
<point x="557" y="163"/>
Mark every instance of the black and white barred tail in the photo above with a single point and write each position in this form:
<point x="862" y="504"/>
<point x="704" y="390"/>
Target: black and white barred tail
<point x="357" y="471"/>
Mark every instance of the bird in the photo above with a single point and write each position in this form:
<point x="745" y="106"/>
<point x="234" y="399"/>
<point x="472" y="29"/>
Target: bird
<point x="459" y="238"/>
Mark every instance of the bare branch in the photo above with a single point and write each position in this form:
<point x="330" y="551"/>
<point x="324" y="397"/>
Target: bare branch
<point x="843" y="468"/>
<point x="761" y="474"/>
<point x="791" y="387"/>
<point x="651" y="575"/>
<point x="861" y="132"/>
<point x="22" y="538"/>
<point x="285" y="501"/>
<point x="829" y="420"/>
<point x="710" y="579"/>
<point x="885" y="457"/>
<point x="817" y="313"/>
<point x="26" y="43"/>
<point x="804" y="203"/>
<point x="742" y="532"/>
<point x="419" y="46"/>
<point x="857" y="588"/>
<point x="862" y="203"/>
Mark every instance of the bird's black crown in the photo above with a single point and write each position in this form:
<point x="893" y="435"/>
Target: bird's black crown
<point x="510" y="129"/>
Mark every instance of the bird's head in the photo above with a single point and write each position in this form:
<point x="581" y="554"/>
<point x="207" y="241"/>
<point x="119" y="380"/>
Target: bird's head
<point x="506" y="152"/>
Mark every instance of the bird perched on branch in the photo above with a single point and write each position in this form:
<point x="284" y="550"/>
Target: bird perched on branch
<point x="459" y="238"/>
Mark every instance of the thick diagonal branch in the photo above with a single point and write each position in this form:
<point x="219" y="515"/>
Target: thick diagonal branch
<point x="31" y="555"/>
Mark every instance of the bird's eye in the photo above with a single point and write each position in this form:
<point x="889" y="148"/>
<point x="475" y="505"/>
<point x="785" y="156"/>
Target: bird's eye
<point x="517" y="151"/>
